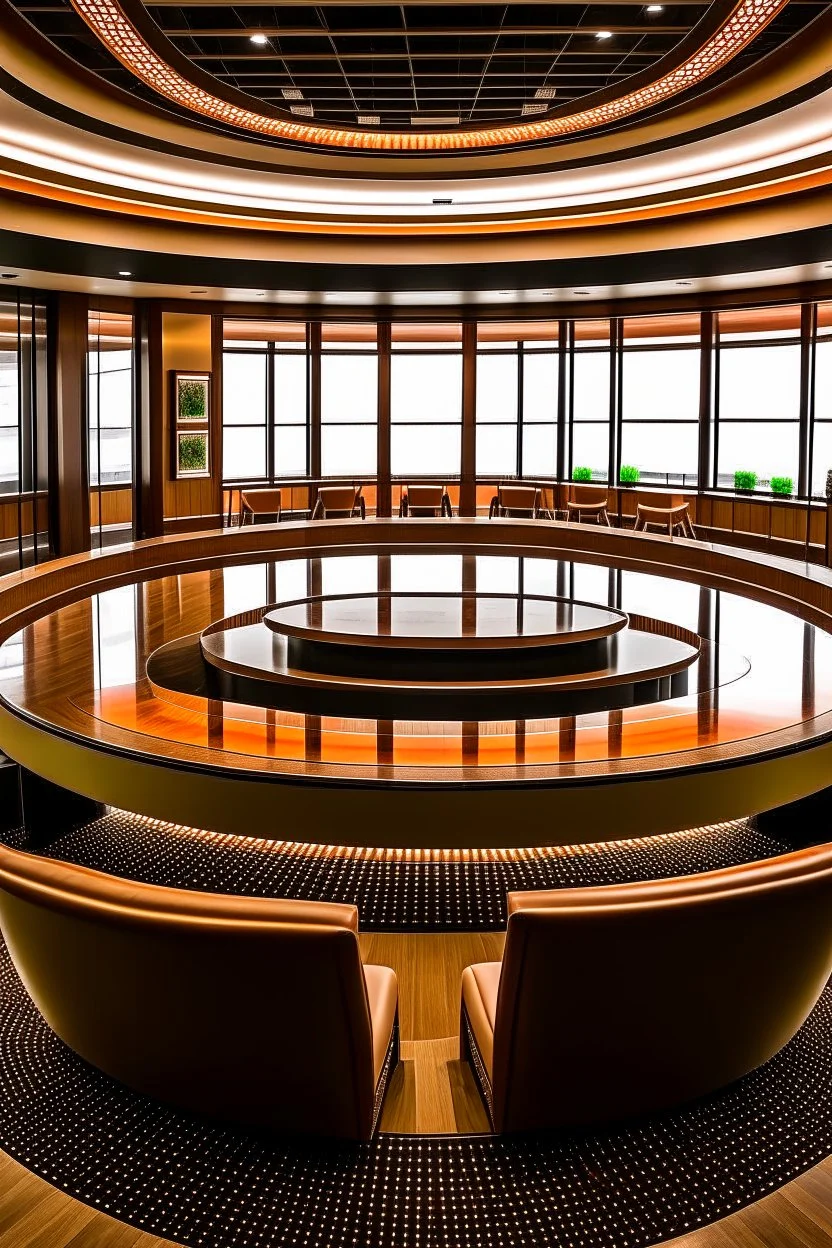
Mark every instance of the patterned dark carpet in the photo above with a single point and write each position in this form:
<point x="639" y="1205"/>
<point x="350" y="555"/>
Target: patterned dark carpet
<point x="212" y="1187"/>
<point x="404" y="895"/>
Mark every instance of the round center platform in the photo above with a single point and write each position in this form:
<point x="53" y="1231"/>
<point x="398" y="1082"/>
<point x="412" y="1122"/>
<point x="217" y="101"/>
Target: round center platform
<point x="444" y="621"/>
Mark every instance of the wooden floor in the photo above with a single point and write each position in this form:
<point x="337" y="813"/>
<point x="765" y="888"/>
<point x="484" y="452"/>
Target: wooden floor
<point x="431" y="1092"/>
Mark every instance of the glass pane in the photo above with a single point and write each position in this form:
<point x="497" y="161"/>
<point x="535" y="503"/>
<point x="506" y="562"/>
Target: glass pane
<point x="539" y="450"/>
<point x="768" y="448"/>
<point x="426" y="387"/>
<point x="592" y="386"/>
<point x="348" y="450"/>
<point x="290" y="451"/>
<point x="496" y="388"/>
<point x="540" y="387"/>
<point x="661" y="385"/>
<point x="349" y="388"/>
<point x="760" y="383"/>
<point x="246" y="586"/>
<point x="423" y="452"/>
<point x="497" y="450"/>
<point x="423" y="573"/>
<point x="663" y="453"/>
<point x="498" y="574"/>
<point x="680" y="599"/>
<point x="591" y="449"/>
<point x="243" y="453"/>
<point x="290" y="389"/>
<point x="357" y="574"/>
<point x="821" y="457"/>
<point x="243" y="390"/>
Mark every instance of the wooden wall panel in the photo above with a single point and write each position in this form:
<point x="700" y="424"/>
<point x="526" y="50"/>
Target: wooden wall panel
<point x="186" y="346"/>
<point x="116" y="506"/>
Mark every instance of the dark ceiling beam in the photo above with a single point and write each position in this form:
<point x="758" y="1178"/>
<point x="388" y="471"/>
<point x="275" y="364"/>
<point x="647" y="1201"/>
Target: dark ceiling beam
<point x="521" y="54"/>
<point x="466" y="32"/>
<point x="393" y="4"/>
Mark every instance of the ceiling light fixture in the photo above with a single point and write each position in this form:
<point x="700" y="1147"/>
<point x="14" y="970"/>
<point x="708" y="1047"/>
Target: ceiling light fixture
<point x="303" y="110"/>
<point x="655" y="8"/>
<point x="442" y="200"/>
<point x="603" y="34"/>
<point x="9" y="277"/>
<point x="419" y="119"/>
<point x="261" y="294"/>
<point x="684" y="283"/>
<point x="368" y="119"/>
<point x="580" y="292"/>
<point x="528" y="109"/>
<point x="545" y="93"/>
<point x="291" y="93"/>
<point x="259" y="39"/>
<point x="125" y="273"/>
<point x="199" y="292"/>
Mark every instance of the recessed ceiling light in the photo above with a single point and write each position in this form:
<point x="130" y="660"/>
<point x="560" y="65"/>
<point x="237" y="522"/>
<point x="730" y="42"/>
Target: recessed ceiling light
<point x="419" y="119"/>
<point x="545" y="93"/>
<point x="261" y="294"/>
<point x="303" y="110"/>
<point x="125" y="273"/>
<point x="580" y="292"/>
<point x="291" y="93"/>
<point x="655" y="8"/>
<point x="505" y="292"/>
<point x="368" y="119"/>
<point x="199" y="292"/>
<point x="603" y="34"/>
<point x="684" y="283"/>
<point x="828" y="265"/>
<point x="9" y="277"/>
<point x="259" y="39"/>
<point x="442" y="199"/>
<point x="528" y="109"/>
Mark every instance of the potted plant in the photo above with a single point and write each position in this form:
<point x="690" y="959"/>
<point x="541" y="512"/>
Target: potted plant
<point x="628" y="474"/>
<point x="744" y="482"/>
<point x="782" y="486"/>
<point x="581" y="474"/>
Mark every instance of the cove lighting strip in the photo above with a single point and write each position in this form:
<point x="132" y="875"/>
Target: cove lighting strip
<point x="113" y="27"/>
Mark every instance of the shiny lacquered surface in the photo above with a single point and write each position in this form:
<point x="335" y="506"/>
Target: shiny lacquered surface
<point x="444" y="621"/>
<point x="82" y="668"/>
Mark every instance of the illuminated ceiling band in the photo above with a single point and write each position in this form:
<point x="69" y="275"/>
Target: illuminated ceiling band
<point x="115" y="30"/>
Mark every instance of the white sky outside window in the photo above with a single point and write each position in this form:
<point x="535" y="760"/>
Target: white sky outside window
<point x="8" y="420"/>
<point x="353" y="574"/>
<point x="243" y="389"/>
<point x="110" y="400"/>
<point x="496" y="389"/>
<point x="426" y="387"/>
<point x="540" y="387"/>
<point x="426" y="573"/>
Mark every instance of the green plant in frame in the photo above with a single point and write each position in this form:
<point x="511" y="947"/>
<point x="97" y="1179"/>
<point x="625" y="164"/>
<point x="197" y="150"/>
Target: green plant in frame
<point x="581" y="474"/>
<point x="744" y="480"/>
<point x="782" y="485"/>
<point x="193" y="452"/>
<point x="628" y="474"/>
<point x="192" y="399"/>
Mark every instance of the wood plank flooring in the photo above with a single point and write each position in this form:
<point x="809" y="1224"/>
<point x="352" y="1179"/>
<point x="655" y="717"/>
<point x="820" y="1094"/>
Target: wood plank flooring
<point x="432" y="1091"/>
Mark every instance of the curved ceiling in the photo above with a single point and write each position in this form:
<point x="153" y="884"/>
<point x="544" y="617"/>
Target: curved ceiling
<point x="488" y="76"/>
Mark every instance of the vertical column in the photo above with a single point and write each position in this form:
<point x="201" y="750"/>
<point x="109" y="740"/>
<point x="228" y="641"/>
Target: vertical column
<point x="562" y="468"/>
<point x="468" y="468"/>
<point x="384" y="492"/>
<point x="148" y="425"/>
<point x="216" y="418"/>
<point x="69" y="482"/>
<point x="315" y="339"/>
<point x="705" y="479"/>
<point x="808" y="319"/>
<point x="616" y="366"/>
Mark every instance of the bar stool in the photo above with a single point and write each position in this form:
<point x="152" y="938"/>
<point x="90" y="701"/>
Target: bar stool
<point x="425" y="500"/>
<point x="667" y="518"/>
<point x="515" y="500"/>
<point x="576" y="509"/>
<point x="259" y="503"/>
<point x="339" y="502"/>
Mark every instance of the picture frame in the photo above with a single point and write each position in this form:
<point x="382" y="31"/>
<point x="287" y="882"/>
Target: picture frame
<point x="191" y="398"/>
<point x="193" y="453"/>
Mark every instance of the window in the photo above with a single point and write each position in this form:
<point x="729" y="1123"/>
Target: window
<point x="24" y="447"/>
<point x="591" y="399"/>
<point x="822" y="405"/>
<point x="265" y="402"/>
<point x="660" y="398"/>
<point x="110" y="398"/>
<point x="349" y="401"/>
<point x="758" y="394"/>
<point x="426" y="400"/>
<point x="517" y="400"/>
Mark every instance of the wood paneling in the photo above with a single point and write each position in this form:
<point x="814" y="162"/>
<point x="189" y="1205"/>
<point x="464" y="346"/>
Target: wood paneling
<point x="186" y="346"/>
<point x="69" y="478"/>
<point x="111" y="506"/>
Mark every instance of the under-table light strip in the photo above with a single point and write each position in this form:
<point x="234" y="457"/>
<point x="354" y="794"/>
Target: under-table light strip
<point x="113" y="27"/>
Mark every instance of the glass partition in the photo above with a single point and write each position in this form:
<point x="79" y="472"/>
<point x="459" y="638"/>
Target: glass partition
<point x="660" y="398"/>
<point x="591" y="400"/>
<point x="349" y="400"/>
<point x="265" y="404"/>
<point x="426" y="400"/>
<point x="24" y="443"/>
<point x="517" y="399"/>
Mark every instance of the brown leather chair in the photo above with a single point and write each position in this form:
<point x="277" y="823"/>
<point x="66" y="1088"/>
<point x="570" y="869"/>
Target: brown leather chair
<point x="252" y="1010"/>
<point x="623" y="1000"/>
<point x="588" y="503"/>
<point x="425" y="500"/>
<point x="339" y="501"/>
<point x="259" y="503"/>
<point x="515" y="500"/>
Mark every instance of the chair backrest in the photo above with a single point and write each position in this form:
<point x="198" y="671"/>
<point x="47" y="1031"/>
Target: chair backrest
<point x="626" y="999"/>
<point x="338" y="497"/>
<point x="517" y="497"/>
<point x="428" y="496"/>
<point x="587" y="496"/>
<point x="261" y="502"/>
<point x="248" y="1009"/>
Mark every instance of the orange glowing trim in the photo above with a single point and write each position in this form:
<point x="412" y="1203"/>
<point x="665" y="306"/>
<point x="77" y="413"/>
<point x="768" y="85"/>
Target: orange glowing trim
<point x="118" y="34"/>
<point x="368" y="853"/>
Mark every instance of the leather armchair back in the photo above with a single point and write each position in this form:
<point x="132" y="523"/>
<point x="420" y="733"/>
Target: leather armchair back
<point x="622" y="1000"/>
<point x="248" y="1009"/>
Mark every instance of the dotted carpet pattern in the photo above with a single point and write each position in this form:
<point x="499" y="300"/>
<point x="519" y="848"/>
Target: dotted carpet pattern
<point x="418" y="893"/>
<point x="214" y="1187"/>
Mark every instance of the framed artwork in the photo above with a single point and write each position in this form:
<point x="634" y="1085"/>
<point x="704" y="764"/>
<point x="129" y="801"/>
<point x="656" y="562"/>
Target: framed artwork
<point x="192" y="453"/>
<point x="192" y="398"/>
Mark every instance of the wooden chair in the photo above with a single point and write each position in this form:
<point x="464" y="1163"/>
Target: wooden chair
<point x="515" y="500"/>
<point x="255" y="503"/>
<point x="669" y="519"/>
<point x="339" y="502"/>
<point x="425" y="500"/>
<point x="592" y="505"/>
